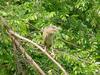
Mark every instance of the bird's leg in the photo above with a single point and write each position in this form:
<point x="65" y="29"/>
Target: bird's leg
<point x="52" y="52"/>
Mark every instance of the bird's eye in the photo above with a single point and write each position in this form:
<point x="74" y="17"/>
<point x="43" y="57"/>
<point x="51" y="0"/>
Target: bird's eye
<point x="54" y="27"/>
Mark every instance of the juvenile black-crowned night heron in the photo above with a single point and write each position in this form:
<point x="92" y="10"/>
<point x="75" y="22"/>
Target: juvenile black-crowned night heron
<point x="48" y="36"/>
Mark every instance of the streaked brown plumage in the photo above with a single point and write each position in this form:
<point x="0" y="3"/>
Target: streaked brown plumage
<point x="48" y="35"/>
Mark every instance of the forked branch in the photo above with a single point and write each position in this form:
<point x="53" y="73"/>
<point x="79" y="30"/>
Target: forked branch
<point x="28" y="58"/>
<point x="22" y="50"/>
<point x="39" y="47"/>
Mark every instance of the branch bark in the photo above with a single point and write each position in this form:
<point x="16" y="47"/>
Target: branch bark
<point x="20" y="70"/>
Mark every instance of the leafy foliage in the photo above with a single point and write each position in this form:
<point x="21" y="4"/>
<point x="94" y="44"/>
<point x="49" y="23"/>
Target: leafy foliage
<point x="77" y="44"/>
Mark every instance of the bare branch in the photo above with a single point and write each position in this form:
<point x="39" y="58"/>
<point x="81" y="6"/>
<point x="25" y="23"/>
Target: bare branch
<point x="35" y="44"/>
<point x="45" y="52"/>
<point x="29" y="59"/>
<point x="19" y="66"/>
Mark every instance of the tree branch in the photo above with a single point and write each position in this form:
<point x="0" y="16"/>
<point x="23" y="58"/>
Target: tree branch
<point x="45" y="52"/>
<point x="29" y="59"/>
<point x="19" y="66"/>
<point x="22" y="50"/>
<point x="35" y="44"/>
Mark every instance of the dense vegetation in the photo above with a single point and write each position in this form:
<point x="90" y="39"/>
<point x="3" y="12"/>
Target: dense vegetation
<point x="77" y="44"/>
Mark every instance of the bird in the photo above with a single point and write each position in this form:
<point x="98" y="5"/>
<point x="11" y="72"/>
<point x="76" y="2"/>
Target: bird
<point x="49" y="35"/>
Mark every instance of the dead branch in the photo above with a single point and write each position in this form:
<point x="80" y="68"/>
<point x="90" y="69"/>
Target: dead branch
<point x="19" y="66"/>
<point x="29" y="59"/>
<point x="45" y="52"/>
<point x="35" y="44"/>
